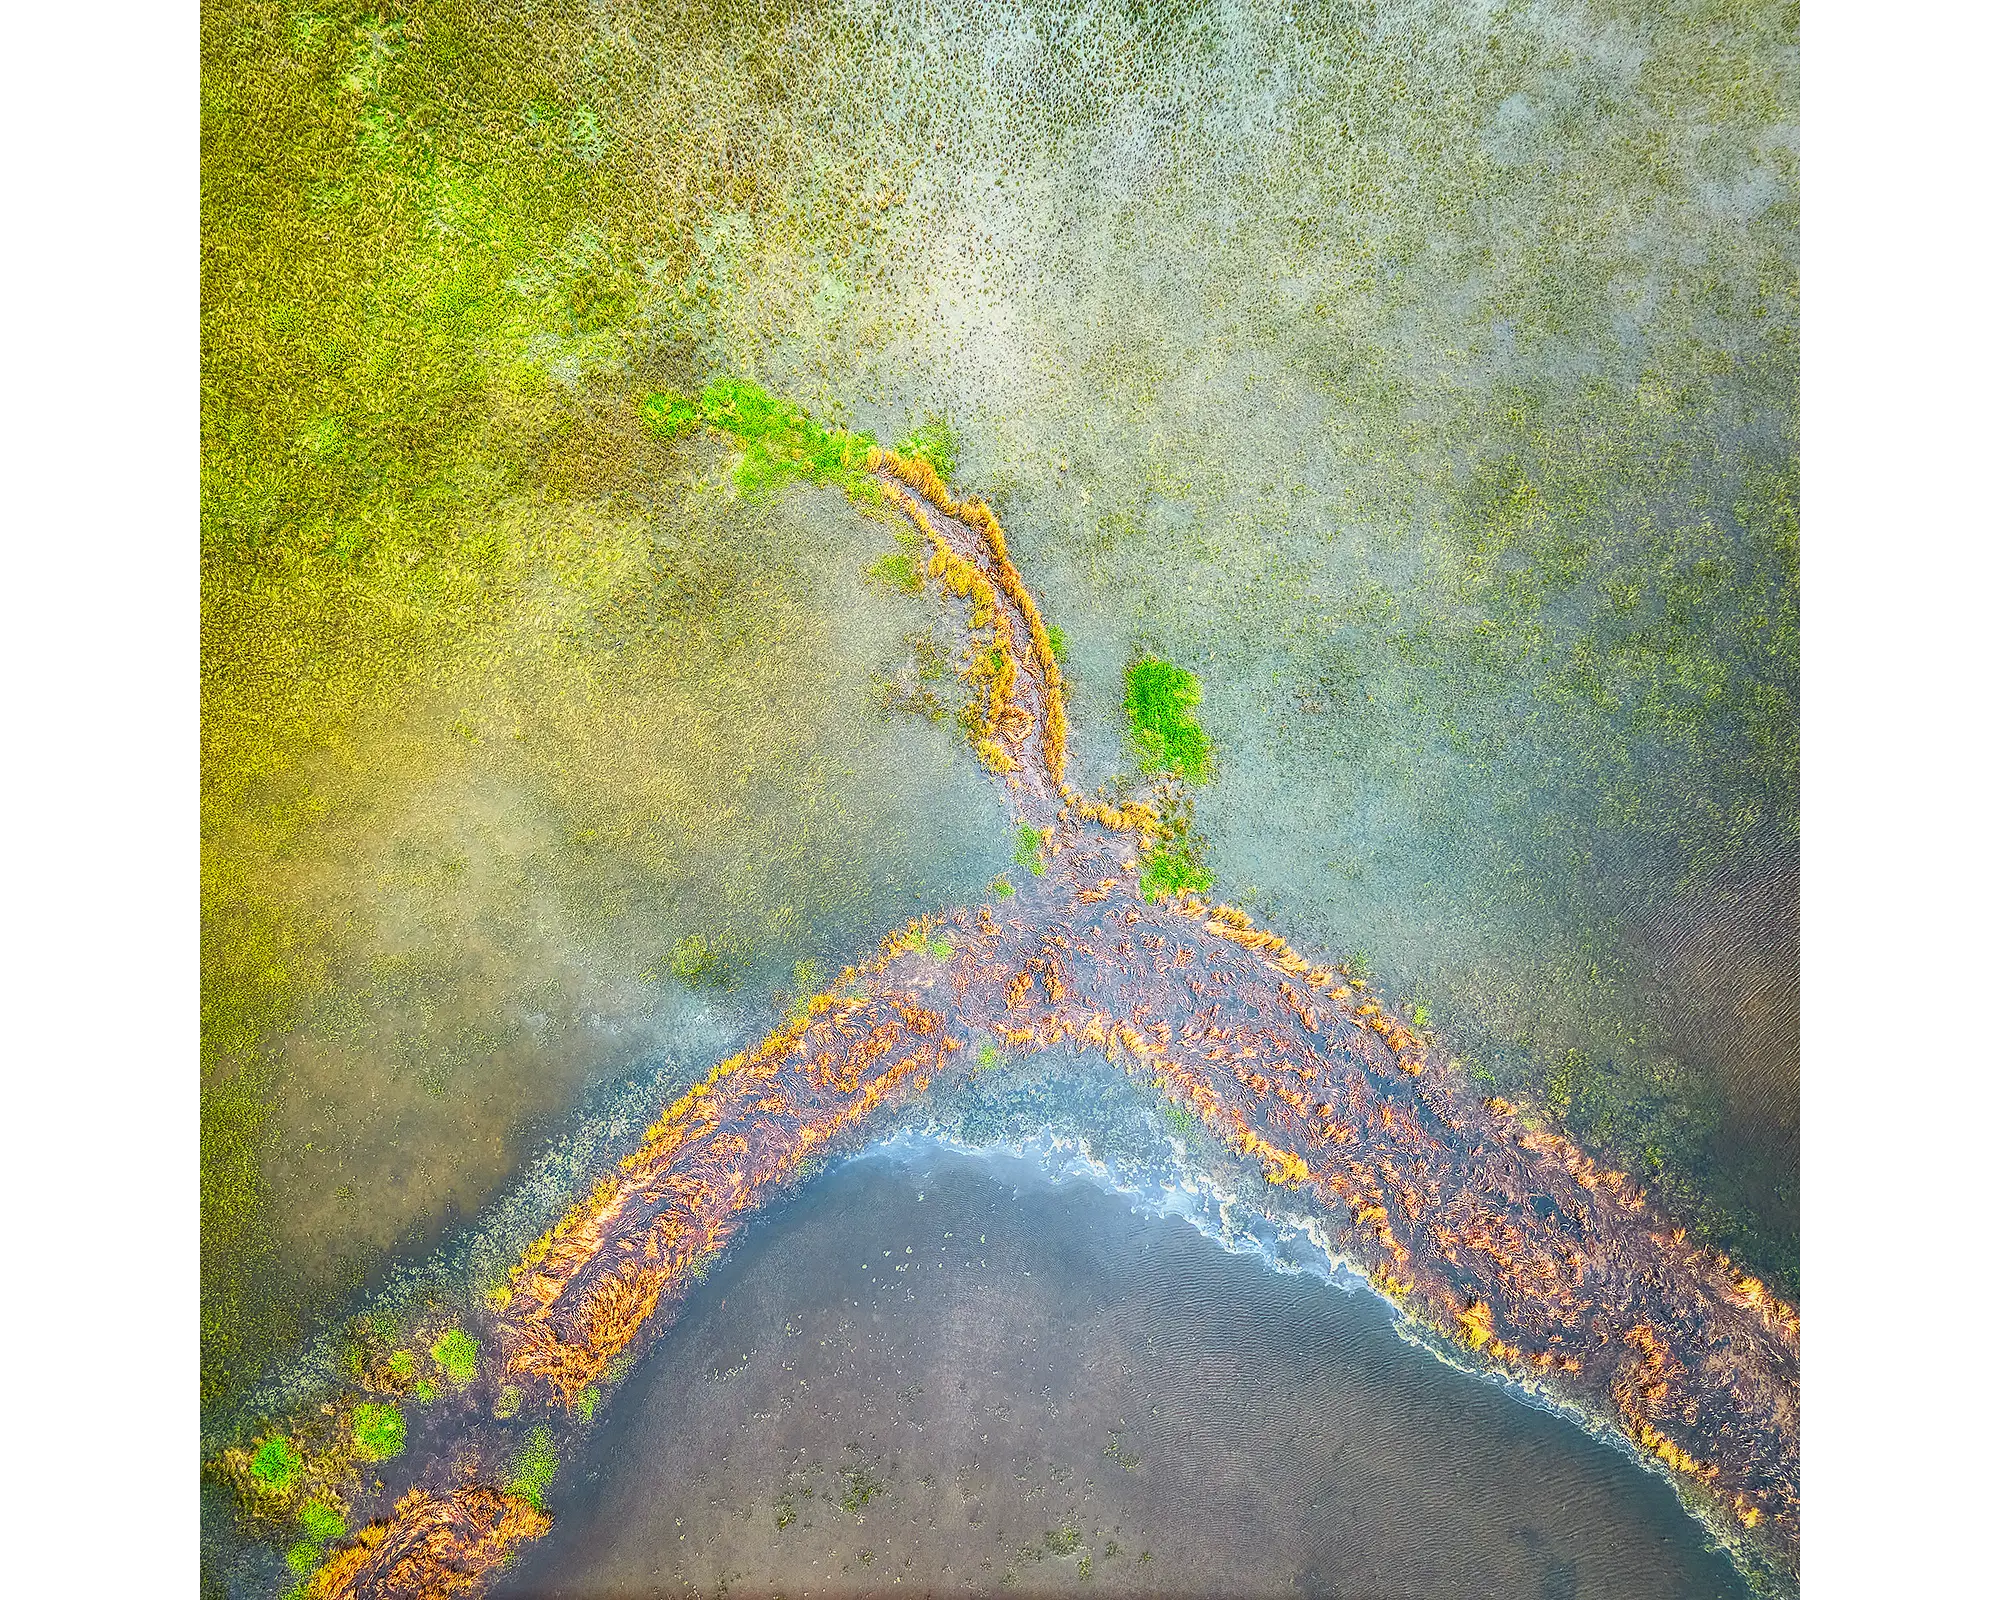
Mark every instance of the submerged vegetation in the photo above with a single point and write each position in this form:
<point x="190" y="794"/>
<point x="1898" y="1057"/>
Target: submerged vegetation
<point x="535" y="1467"/>
<point x="276" y="1465"/>
<point x="934" y="441"/>
<point x="1028" y="843"/>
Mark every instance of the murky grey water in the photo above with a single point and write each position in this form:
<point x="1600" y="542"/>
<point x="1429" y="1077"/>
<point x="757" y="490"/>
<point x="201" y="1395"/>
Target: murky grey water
<point x="948" y="1376"/>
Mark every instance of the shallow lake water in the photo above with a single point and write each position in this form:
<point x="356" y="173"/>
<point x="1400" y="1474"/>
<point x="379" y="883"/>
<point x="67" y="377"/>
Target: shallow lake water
<point x="942" y="1373"/>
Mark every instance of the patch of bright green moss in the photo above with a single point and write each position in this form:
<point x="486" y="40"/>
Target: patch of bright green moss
<point x="1028" y="850"/>
<point x="1160" y="699"/>
<point x="321" y="1521"/>
<point x="276" y="1464"/>
<point x="535" y="1467"/>
<point x="896" y="571"/>
<point x="378" y="1431"/>
<point x="457" y="1353"/>
<point x="1172" y="868"/>
<point x="779" y="441"/>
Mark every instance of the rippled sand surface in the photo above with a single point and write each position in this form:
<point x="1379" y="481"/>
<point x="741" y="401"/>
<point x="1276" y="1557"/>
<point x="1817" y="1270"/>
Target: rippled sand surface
<point x="1004" y="1386"/>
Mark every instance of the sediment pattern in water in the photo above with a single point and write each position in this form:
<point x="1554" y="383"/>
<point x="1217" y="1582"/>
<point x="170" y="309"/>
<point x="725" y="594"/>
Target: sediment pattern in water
<point x="1491" y="1233"/>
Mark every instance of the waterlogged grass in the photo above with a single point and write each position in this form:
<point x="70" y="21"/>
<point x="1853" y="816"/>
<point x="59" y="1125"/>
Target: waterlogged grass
<point x="1028" y="844"/>
<point x="1174" y="861"/>
<point x="1172" y="868"/>
<point x="1160" y="699"/>
<point x="322" y="1523"/>
<point x="457" y="1356"/>
<point x="379" y="1431"/>
<point x="897" y="572"/>
<point x="779" y="441"/>
<point x="534" y="1467"/>
<point x="276" y="1465"/>
<point x="934" y="440"/>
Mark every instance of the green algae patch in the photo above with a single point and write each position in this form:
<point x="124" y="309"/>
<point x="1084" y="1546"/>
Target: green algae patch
<point x="1028" y="843"/>
<point x="897" y="572"/>
<point x="1172" y="869"/>
<point x="322" y="1522"/>
<point x="1160" y="699"/>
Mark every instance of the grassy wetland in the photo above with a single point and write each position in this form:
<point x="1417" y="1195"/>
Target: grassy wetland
<point x="580" y="695"/>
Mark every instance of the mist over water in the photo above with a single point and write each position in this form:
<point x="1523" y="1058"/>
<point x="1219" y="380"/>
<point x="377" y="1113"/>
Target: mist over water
<point x="945" y="1371"/>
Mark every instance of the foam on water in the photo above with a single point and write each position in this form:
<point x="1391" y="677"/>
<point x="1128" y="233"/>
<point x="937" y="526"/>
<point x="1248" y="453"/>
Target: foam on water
<point x="1285" y="1241"/>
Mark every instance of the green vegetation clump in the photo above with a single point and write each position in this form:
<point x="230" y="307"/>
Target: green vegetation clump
<point x="378" y="1431"/>
<point x="323" y="1524"/>
<point x="1058" y="645"/>
<point x="1028" y="850"/>
<point x="1171" y="868"/>
<point x="860" y="1486"/>
<point x="1174" y="860"/>
<point x="779" y="441"/>
<point x="989" y="1058"/>
<point x="1002" y="888"/>
<point x="897" y="572"/>
<point x="1179" y="1118"/>
<point x="457" y="1353"/>
<point x="321" y="1521"/>
<point x="935" y="441"/>
<point x="699" y="961"/>
<point x="534" y="1467"/>
<point x="1160" y="699"/>
<point x="276" y="1465"/>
